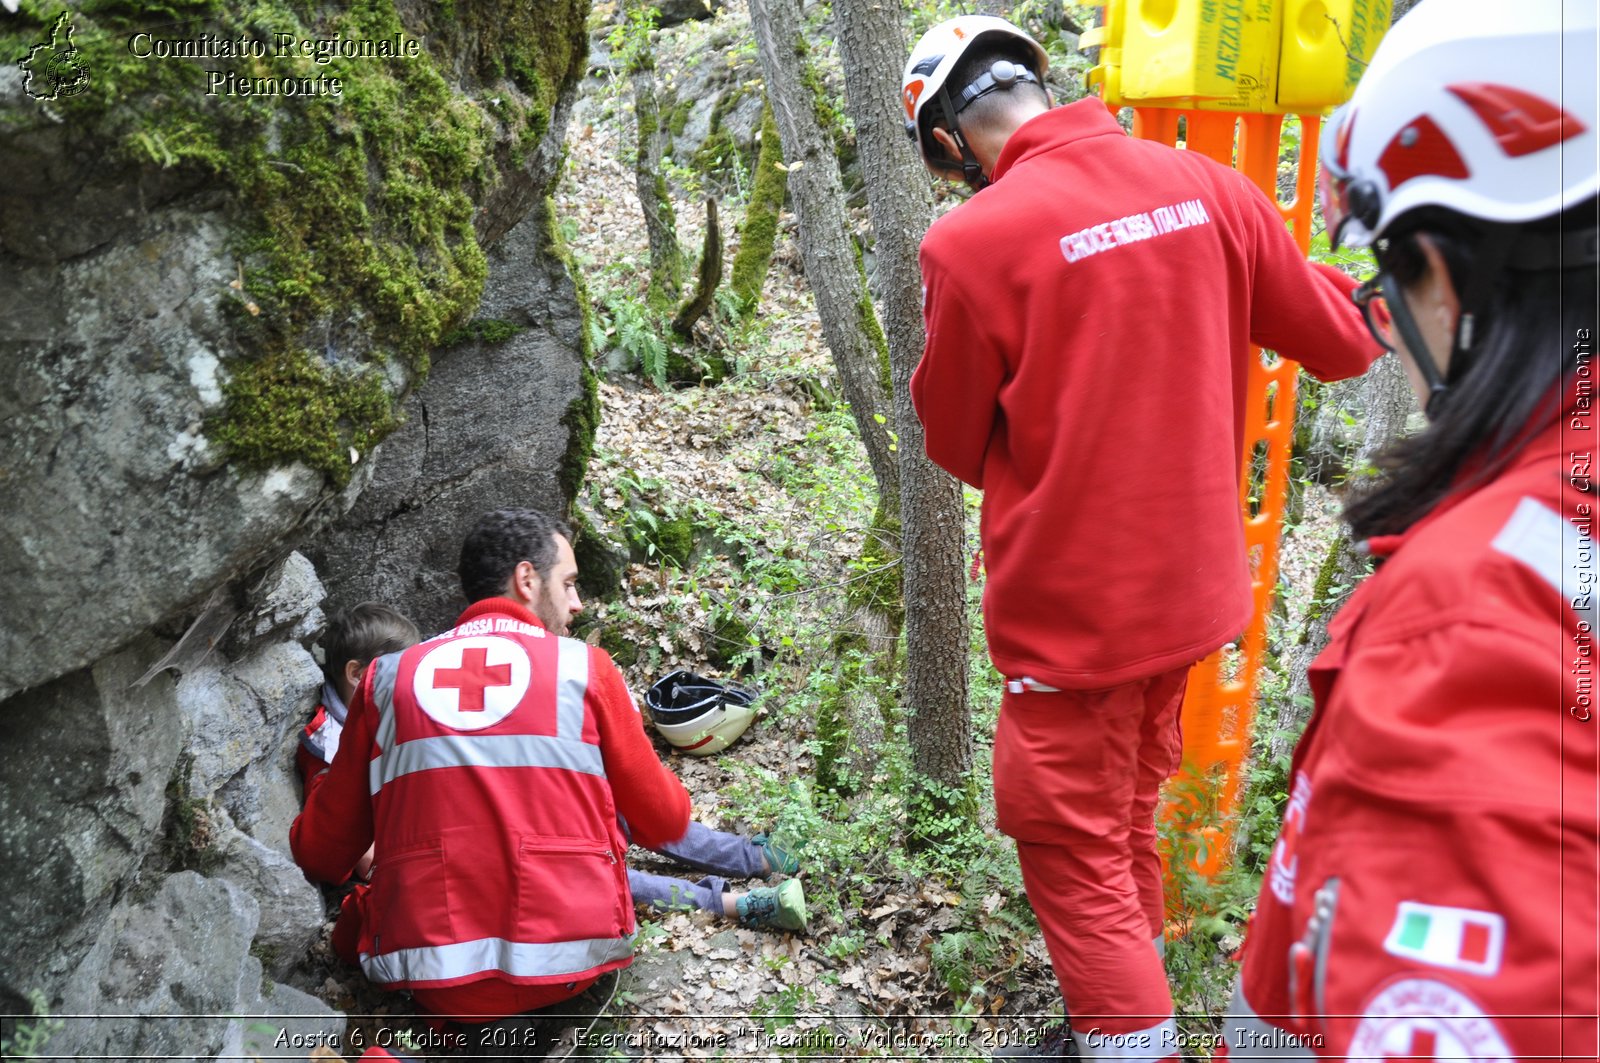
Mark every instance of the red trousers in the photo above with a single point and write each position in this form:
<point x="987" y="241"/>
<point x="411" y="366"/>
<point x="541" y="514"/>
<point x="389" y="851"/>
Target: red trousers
<point x="1076" y="778"/>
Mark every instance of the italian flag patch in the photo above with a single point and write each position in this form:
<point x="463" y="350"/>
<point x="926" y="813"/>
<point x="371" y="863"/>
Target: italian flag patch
<point x="1457" y="939"/>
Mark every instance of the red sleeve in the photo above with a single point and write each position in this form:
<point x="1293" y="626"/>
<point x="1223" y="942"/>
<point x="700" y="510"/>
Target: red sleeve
<point x="334" y="829"/>
<point x="1299" y="309"/>
<point x="956" y="386"/>
<point x="648" y="796"/>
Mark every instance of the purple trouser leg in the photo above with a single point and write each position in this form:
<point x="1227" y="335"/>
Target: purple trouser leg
<point x="703" y="849"/>
<point x="717" y="851"/>
<point x="663" y="891"/>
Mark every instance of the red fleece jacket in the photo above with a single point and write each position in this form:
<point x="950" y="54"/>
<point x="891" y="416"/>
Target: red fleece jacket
<point x="1089" y="317"/>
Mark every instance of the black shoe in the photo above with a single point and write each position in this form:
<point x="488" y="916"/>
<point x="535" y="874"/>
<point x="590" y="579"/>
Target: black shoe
<point x="1054" y="1042"/>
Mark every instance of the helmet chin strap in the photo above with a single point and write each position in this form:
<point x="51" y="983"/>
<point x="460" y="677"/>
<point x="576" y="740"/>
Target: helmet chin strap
<point x="971" y="169"/>
<point x="1416" y="346"/>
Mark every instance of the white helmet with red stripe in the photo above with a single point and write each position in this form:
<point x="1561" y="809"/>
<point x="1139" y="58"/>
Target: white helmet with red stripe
<point x="936" y="55"/>
<point x="698" y="716"/>
<point x="1482" y="107"/>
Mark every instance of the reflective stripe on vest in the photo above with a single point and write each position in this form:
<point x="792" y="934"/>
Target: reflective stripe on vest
<point x="572" y="683"/>
<point x="444" y="962"/>
<point x="1538" y="537"/>
<point x="385" y="673"/>
<point x="488" y="751"/>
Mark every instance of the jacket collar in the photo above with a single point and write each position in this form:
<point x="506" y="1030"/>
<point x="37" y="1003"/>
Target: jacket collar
<point x="499" y="607"/>
<point x="1053" y="129"/>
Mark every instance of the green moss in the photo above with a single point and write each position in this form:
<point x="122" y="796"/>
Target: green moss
<point x="678" y="117"/>
<point x="291" y="406"/>
<point x="1322" y="593"/>
<point x="829" y="109"/>
<point x="674" y="540"/>
<point x="759" y="232"/>
<point x="352" y="215"/>
<point x="730" y="642"/>
<point x="623" y="649"/>
<point x="189" y="834"/>
<point x="482" y="330"/>
<point x="833" y="742"/>
<point x="719" y="152"/>
<point x="876" y="577"/>
<point x="873" y="330"/>
<point x="581" y="420"/>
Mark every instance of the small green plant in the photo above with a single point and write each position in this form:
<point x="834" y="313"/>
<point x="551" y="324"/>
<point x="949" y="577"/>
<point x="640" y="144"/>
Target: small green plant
<point x="632" y="327"/>
<point x="28" y="1039"/>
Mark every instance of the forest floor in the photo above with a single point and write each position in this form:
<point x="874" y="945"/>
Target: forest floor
<point x="745" y="505"/>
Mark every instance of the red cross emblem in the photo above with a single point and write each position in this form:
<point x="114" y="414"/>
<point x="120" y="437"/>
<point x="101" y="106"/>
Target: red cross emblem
<point x="474" y="676"/>
<point x="1424" y="1045"/>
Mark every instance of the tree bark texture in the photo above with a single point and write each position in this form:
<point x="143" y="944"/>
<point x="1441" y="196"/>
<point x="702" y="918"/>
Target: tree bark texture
<point x="832" y="267"/>
<point x="1388" y="401"/>
<point x="932" y="516"/>
<point x="710" y="276"/>
<point x="666" y="258"/>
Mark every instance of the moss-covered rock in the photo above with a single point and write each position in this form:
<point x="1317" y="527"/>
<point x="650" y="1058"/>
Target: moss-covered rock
<point x="224" y="279"/>
<point x="351" y="201"/>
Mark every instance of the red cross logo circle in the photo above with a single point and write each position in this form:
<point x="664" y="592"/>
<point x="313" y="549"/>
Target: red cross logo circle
<point x="472" y="683"/>
<point x="1421" y="1019"/>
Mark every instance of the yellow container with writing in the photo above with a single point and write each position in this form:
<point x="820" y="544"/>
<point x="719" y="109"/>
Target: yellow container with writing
<point x="1253" y="56"/>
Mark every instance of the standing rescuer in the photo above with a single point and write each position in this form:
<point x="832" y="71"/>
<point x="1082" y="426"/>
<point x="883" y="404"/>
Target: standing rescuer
<point x="1089" y="319"/>
<point x="1433" y="893"/>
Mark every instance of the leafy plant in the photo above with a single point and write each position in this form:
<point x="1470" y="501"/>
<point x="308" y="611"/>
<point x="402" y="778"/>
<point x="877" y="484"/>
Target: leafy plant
<point x="28" y="1039"/>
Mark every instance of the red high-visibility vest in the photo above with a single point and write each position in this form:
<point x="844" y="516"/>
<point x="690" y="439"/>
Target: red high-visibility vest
<point x="499" y="853"/>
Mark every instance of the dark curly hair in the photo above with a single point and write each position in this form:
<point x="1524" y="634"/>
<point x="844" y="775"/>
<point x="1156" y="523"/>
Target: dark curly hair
<point x="502" y="539"/>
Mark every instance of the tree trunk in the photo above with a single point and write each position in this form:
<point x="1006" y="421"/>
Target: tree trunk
<point x="932" y="517"/>
<point x="666" y="258"/>
<point x="832" y="266"/>
<point x="759" y="231"/>
<point x="710" y="276"/>
<point x="1387" y="397"/>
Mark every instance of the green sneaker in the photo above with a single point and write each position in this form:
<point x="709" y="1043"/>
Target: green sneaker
<point x="774" y="906"/>
<point x="781" y="856"/>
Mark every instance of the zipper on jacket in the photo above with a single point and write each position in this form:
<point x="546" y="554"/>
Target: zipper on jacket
<point x="578" y="849"/>
<point x="1308" y="958"/>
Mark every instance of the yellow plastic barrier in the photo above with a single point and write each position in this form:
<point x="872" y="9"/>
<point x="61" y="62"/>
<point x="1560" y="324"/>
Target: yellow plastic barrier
<point x="1249" y="56"/>
<point x="1230" y="69"/>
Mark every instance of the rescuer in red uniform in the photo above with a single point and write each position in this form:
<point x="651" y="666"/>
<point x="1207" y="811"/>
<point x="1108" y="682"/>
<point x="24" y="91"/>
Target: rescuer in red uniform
<point x="1089" y="315"/>
<point x="1433" y="893"/>
<point x="489" y="765"/>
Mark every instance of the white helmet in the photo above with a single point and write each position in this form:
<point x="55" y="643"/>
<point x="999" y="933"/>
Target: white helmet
<point x="698" y="716"/>
<point x="1482" y="107"/>
<point x="932" y="60"/>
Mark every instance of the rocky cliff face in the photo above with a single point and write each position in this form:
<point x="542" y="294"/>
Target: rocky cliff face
<point x="217" y="309"/>
<point x="488" y="429"/>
